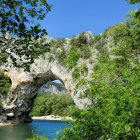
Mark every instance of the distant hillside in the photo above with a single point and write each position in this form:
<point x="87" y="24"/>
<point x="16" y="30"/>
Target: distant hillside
<point x="52" y="88"/>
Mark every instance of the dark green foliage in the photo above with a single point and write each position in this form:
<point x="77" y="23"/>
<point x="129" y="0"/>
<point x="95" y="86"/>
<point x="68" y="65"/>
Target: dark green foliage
<point x="3" y="58"/>
<point x="85" y="51"/>
<point x="79" y="71"/>
<point x="119" y="30"/>
<point x="82" y="43"/>
<point x="76" y="73"/>
<point x="133" y="1"/>
<point x="116" y="109"/>
<point x="84" y="69"/>
<point x="56" y="104"/>
<point x="5" y="84"/>
<point x="30" y="50"/>
<point x="15" y="15"/>
<point x="79" y="41"/>
<point x="114" y="89"/>
<point x="73" y="57"/>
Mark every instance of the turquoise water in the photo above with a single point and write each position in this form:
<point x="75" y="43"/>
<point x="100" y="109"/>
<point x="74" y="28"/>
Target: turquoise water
<point x="39" y="127"/>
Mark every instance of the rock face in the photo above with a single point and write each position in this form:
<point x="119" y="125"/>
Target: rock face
<point x="19" y="101"/>
<point x="53" y="88"/>
<point x="25" y="85"/>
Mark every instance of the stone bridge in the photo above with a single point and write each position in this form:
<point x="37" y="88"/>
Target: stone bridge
<point x="19" y="101"/>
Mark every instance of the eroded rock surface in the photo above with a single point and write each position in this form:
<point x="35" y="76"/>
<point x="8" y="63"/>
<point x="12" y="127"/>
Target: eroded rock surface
<point x="19" y="101"/>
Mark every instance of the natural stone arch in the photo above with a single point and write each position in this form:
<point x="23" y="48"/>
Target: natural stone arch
<point x="25" y="85"/>
<point x="19" y="101"/>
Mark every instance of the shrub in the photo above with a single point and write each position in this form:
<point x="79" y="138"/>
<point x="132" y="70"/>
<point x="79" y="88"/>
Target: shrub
<point x="5" y="84"/>
<point x="3" y="58"/>
<point x="119" y="30"/>
<point x="116" y="109"/>
<point x="79" y="41"/>
<point x="85" y="51"/>
<point x="73" y="57"/>
<point x="76" y="73"/>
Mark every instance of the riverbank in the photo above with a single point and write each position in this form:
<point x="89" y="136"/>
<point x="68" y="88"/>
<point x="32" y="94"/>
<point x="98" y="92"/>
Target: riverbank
<point x="4" y="124"/>
<point x="52" y="117"/>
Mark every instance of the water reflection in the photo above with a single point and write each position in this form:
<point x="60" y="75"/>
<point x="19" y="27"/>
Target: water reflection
<point x="16" y="132"/>
<point x="23" y="131"/>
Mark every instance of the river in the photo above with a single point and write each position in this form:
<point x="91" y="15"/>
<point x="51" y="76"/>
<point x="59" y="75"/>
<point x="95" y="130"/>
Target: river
<point x="39" y="127"/>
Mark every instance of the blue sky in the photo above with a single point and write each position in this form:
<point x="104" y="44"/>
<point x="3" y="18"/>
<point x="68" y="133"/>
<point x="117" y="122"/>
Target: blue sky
<point x="71" y="17"/>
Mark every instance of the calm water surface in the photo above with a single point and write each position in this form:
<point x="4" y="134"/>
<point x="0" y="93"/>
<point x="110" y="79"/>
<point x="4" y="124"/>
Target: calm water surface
<point x="23" y="131"/>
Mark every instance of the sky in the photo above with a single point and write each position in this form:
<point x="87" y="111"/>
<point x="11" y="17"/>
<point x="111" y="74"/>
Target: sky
<point x="71" y="17"/>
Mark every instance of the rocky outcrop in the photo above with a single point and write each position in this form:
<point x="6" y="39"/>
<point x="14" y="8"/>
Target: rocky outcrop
<point x="52" y="88"/>
<point x="19" y="101"/>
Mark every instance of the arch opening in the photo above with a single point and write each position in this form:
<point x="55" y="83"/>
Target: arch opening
<point x="19" y="103"/>
<point x="53" y="102"/>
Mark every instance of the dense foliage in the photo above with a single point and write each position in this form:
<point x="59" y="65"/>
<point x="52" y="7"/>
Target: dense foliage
<point x="114" y="89"/>
<point x="5" y="84"/>
<point x="17" y="18"/>
<point x="57" y="104"/>
<point x="21" y="51"/>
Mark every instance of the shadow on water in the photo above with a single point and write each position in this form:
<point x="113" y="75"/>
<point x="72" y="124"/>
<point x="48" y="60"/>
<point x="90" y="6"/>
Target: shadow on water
<point x="16" y="132"/>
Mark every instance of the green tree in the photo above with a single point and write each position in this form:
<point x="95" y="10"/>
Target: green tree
<point x="114" y="89"/>
<point x="16" y="15"/>
<point x="133" y="1"/>
<point x="17" y="18"/>
<point x="5" y="84"/>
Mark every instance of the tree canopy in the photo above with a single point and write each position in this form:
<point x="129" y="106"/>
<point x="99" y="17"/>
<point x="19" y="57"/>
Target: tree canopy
<point x="133" y="1"/>
<point x="18" y="16"/>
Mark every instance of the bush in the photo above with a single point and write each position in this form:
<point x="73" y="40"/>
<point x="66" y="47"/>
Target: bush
<point x="3" y="58"/>
<point x="73" y="57"/>
<point x="78" y="71"/>
<point x="116" y="109"/>
<point x="5" y="84"/>
<point x="79" y="41"/>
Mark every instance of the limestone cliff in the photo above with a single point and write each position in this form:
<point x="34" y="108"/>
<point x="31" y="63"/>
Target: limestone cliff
<point x="63" y="62"/>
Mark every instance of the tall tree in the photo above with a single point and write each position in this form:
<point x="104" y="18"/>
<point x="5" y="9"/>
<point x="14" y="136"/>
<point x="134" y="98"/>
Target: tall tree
<point x="16" y="17"/>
